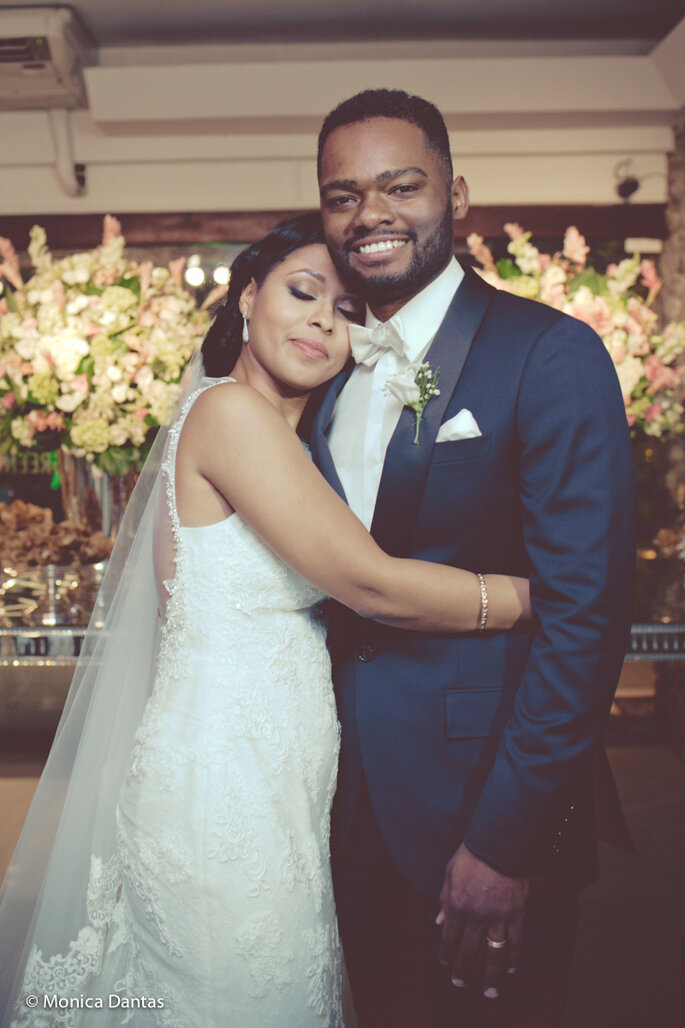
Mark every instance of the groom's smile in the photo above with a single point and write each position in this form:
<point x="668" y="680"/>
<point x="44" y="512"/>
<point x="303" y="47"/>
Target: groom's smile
<point x="377" y="249"/>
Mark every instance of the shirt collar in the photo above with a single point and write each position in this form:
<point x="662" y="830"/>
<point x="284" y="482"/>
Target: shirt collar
<point x="421" y="317"/>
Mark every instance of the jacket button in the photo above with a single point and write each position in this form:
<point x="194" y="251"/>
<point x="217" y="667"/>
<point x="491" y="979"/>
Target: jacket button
<point x="365" y="654"/>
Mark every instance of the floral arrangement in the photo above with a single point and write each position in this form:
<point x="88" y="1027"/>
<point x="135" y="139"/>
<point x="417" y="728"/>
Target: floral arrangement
<point x="92" y="349"/>
<point x="614" y="304"/>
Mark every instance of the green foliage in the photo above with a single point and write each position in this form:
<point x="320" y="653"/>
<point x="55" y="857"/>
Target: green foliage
<point x="117" y="461"/>
<point x="507" y="269"/>
<point x="595" y="282"/>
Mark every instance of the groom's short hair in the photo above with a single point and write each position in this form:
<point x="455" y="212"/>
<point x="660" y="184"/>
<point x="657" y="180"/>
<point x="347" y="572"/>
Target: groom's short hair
<point x="390" y="103"/>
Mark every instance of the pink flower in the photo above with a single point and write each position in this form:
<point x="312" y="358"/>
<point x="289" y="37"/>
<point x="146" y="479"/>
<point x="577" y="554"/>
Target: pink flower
<point x="8" y="401"/>
<point x="650" y="278"/>
<point x="10" y="264"/>
<point x="176" y="268"/>
<point x="102" y="277"/>
<point x="37" y="419"/>
<point x="653" y="412"/>
<point x="575" y="248"/>
<point x="631" y="419"/>
<point x="141" y="414"/>
<point x="668" y="379"/>
<point x="145" y="275"/>
<point x="640" y="312"/>
<point x="111" y="229"/>
<point x="58" y="294"/>
<point x="653" y="367"/>
<point x="659" y="376"/>
<point x="55" y="421"/>
<point x="595" y="313"/>
<point x="612" y="269"/>
<point x="132" y="341"/>
<point x="480" y="251"/>
<point x="513" y="230"/>
<point x="545" y="261"/>
<point x="25" y="368"/>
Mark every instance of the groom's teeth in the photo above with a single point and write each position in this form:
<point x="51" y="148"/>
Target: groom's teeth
<point x="392" y="244"/>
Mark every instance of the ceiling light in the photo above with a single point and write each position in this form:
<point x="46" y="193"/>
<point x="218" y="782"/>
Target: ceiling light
<point x="194" y="275"/>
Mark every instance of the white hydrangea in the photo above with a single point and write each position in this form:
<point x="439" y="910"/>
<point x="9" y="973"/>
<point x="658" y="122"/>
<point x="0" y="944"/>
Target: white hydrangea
<point x="629" y="373"/>
<point x="67" y="353"/>
<point x="21" y="431"/>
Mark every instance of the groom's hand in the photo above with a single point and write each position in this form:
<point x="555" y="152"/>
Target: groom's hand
<point x="478" y="903"/>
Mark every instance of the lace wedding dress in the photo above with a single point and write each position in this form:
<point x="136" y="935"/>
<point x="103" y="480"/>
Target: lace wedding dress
<point x="217" y="907"/>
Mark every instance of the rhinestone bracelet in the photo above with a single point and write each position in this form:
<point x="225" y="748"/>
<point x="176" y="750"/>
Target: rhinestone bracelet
<point x="483" y="602"/>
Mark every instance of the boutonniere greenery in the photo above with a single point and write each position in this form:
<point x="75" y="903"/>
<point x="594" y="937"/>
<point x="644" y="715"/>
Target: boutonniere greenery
<point x="414" y="387"/>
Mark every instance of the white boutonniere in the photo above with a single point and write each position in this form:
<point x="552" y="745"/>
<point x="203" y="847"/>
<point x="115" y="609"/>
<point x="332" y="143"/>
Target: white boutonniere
<point x="414" y="387"/>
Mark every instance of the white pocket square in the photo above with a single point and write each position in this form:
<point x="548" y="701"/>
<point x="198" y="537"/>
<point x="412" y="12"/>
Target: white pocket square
<point x="462" y="426"/>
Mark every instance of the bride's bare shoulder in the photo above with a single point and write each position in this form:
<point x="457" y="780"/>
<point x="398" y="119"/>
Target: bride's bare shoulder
<point x="231" y="407"/>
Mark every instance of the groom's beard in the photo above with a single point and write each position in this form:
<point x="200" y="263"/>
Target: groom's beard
<point x="428" y="260"/>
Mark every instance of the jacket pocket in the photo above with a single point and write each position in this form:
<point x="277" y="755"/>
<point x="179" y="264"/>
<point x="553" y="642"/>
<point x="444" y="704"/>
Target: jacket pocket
<point x="461" y="449"/>
<point x="477" y="713"/>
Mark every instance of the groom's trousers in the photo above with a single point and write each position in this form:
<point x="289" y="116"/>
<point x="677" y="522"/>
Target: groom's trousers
<point x="390" y="943"/>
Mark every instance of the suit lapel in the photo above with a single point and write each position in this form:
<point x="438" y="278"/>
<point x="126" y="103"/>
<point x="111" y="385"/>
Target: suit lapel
<point x="319" y="444"/>
<point x="406" y="465"/>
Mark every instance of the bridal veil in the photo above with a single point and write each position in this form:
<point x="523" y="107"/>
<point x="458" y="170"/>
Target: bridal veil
<point x="45" y="901"/>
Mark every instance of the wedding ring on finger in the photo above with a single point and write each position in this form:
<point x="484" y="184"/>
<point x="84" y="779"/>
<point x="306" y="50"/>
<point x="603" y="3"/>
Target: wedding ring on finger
<point x="496" y="943"/>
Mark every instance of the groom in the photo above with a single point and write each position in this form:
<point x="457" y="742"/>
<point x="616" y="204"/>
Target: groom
<point x="464" y="822"/>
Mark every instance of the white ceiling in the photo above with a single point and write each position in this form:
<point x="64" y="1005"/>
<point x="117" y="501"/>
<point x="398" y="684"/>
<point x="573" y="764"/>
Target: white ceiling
<point x="636" y="25"/>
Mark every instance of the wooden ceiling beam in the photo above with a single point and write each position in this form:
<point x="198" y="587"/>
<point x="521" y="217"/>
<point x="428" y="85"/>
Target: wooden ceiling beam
<point x="83" y="231"/>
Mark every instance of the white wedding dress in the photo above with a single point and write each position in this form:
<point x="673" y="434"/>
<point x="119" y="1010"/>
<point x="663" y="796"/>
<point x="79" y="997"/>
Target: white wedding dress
<point x="217" y="907"/>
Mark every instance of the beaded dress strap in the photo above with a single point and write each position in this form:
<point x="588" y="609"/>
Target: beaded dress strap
<point x="168" y="470"/>
<point x="169" y="464"/>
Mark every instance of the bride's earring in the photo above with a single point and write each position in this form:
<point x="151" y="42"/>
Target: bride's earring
<point x="246" y="334"/>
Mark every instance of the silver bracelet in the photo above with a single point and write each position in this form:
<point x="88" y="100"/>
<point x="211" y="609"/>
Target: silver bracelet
<point x="483" y="602"/>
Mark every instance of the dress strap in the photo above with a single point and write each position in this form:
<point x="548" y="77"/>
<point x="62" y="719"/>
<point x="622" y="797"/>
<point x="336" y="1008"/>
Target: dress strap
<point x="169" y="550"/>
<point x="169" y="462"/>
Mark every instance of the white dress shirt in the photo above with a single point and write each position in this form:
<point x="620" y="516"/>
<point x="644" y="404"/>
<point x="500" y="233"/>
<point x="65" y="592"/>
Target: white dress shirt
<point x="365" y="417"/>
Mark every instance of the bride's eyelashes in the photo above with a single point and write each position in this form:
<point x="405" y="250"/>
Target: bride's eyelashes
<point x="357" y="317"/>
<point x="351" y="315"/>
<point x="299" y="294"/>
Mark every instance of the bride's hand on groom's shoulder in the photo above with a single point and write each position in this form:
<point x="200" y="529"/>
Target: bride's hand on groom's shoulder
<point x="480" y="908"/>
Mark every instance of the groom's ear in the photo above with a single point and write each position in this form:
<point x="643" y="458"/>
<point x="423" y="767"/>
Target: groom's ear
<point x="459" y="193"/>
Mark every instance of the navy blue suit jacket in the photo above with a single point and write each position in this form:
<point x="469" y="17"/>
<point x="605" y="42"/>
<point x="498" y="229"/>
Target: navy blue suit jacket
<point x="489" y="738"/>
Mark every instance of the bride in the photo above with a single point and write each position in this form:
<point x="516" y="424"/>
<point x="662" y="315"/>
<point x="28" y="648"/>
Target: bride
<point x="174" y="867"/>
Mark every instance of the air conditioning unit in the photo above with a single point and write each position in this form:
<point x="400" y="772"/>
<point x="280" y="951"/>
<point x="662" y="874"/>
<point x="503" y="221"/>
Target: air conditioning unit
<point x="42" y="53"/>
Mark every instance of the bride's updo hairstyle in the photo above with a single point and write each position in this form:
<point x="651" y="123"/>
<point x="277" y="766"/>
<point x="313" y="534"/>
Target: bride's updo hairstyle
<point x="222" y="344"/>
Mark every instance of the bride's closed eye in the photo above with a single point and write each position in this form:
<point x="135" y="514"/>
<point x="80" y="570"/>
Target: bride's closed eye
<point x="300" y="294"/>
<point x="350" y="313"/>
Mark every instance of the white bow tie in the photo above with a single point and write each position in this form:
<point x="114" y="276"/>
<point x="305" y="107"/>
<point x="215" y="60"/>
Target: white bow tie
<point x="368" y="344"/>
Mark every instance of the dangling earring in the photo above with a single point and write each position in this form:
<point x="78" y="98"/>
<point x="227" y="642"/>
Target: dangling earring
<point x="246" y="334"/>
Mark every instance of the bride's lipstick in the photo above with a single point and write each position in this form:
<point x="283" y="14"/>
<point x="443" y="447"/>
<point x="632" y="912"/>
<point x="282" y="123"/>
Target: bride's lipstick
<point x="311" y="347"/>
